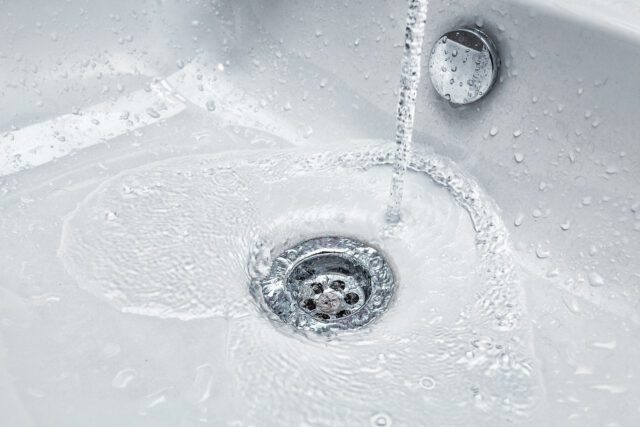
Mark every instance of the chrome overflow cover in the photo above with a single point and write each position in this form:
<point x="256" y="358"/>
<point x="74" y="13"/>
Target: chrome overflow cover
<point x="464" y="65"/>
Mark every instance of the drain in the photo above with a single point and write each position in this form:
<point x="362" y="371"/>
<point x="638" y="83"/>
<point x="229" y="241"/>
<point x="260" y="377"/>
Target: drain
<point x="328" y="283"/>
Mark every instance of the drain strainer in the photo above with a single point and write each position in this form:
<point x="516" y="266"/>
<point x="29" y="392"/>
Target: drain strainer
<point x="328" y="283"/>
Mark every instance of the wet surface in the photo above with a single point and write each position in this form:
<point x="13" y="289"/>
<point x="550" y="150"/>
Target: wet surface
<point x="171" y="240"/>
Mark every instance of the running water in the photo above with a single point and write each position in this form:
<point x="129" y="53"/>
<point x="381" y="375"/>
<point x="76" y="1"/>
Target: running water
<point x="183" y="238"/>
<point x="409" y="80"/>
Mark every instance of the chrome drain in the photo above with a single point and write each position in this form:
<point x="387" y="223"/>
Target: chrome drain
<point x="328" y="283"/>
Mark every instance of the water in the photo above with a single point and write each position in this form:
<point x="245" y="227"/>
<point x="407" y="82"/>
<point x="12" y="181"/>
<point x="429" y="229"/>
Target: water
<point x="170" y="241"/>
<point x="182" y="239"/>
<point x="409" y="81"/>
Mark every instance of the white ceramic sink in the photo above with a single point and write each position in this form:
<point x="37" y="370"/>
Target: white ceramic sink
<point x="100" y="101"/>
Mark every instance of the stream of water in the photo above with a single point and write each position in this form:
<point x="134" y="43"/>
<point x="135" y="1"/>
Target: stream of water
<point x="409" y="81"/>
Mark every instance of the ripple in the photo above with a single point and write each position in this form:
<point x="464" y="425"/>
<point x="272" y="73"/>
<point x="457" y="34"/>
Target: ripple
<point x="183" y="238"/>
<point x="156" y="240"/>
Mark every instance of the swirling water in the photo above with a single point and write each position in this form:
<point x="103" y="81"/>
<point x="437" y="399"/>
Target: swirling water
<point x="172" y="240"/>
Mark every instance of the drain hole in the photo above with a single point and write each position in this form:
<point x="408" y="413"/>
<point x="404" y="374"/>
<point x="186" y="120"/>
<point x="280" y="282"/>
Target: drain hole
<point x="337" y="285"/>
<point x="316" y="288"/>
<point x="328" y="283"/>
<point x="351" y="298"/>
<point x="343" y="313"/>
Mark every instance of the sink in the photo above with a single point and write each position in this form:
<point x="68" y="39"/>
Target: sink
<point x="156" y="157"/>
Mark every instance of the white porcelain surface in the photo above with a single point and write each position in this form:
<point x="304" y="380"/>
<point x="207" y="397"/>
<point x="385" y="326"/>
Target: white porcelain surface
<point x="92" y="89"/>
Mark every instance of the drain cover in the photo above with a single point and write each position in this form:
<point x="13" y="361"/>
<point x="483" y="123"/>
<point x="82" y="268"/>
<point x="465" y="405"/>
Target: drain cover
<point x="328" y="283"/>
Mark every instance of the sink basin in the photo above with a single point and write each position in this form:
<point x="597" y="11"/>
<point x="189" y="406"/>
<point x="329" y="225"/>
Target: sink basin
<point x="155" y="157"/>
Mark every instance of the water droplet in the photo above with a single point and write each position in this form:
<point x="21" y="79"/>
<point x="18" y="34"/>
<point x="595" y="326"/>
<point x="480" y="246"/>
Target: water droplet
<point x="604" y="345"/>
<point x="211" y="105"/>
<point x="153" y="113"/>
<point x="123" y="378"/>
<point x="571" y="303"/>
<point x="493" y="131"/>
<point x="595" y="279"/>
<point x="519" y="219"/>
<point x="612" y="170"/>
<point x="381" y="420"/>
<point x="427" y="383"/>
<point x="110" y="216"/>
<point x="154" y="399"/>
<point x="518" y="156"/>
<point x="542" y="253"/>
